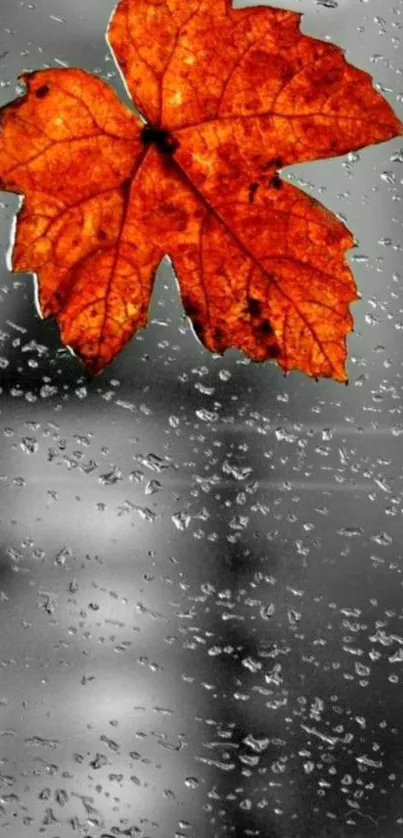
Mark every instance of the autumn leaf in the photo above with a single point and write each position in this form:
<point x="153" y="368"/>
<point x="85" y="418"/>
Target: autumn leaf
<point x="224" y="99"/>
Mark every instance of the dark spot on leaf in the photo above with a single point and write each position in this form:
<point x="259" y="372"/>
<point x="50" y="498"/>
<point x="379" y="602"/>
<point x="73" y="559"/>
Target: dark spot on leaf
<point x="253" y="187"/>
<point x="162" y="139"/>
<point x="265" y="327"/>
<point x="254" y="307"/>
<point x="218" y="335"/>
<point x="276" y="182"/>
<point x="102" y="235"/>
<point x="42" y="91"/>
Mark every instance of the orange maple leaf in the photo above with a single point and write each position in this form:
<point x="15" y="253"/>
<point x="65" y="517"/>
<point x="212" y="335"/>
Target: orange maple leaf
<point x="226" y="98"/>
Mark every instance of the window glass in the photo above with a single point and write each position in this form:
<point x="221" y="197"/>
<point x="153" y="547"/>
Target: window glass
<point x="200" y="565"/>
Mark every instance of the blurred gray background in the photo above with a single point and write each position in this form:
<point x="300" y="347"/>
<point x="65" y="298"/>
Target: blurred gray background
<point x="201" y="560"/>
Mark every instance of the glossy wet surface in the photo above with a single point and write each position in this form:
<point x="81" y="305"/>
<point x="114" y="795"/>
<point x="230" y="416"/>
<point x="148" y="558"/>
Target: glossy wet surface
<point x="200" y="570"/>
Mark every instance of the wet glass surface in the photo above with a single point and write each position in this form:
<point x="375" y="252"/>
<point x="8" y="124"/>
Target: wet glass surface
<point x="200" y="566"/>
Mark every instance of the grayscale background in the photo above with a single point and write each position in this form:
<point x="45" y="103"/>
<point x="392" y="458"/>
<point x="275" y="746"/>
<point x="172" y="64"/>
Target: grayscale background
<point x="201" y="560"/>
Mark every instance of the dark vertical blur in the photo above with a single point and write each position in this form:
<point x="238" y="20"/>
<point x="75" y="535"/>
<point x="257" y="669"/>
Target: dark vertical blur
<point x="200" y="566"/>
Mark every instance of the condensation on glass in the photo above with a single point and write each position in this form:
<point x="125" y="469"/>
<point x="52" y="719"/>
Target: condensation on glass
<point x="201" y="589"/>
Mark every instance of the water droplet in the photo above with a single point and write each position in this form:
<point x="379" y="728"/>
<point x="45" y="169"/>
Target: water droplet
<point x="192" y="783"/>
<point x="29" y="445"/>
<point x="181" y="520"/>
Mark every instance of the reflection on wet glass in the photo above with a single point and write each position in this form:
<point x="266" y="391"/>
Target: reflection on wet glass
<point x="200" y="567"/>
